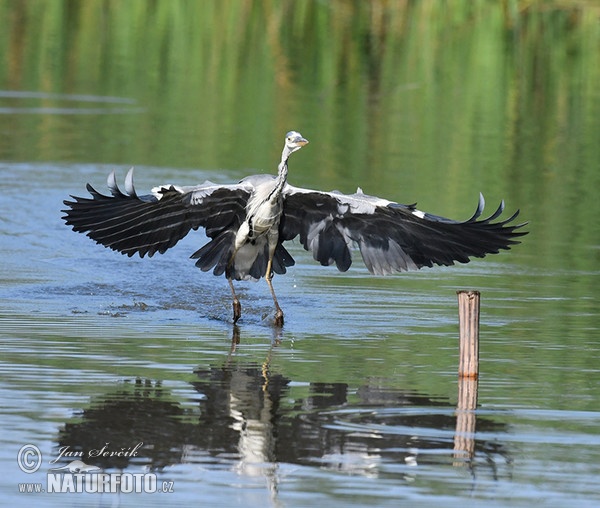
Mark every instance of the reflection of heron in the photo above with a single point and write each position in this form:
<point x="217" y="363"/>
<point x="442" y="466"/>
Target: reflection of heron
<point x="248" y="222"/>
<point x="77" y="466"/>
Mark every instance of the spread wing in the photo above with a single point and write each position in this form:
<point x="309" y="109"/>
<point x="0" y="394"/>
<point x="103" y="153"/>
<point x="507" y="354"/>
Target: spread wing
<point x="391" y="237"/>
<point x="131" y="224"/>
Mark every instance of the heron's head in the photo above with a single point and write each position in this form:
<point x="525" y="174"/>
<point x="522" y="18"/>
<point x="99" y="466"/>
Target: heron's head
<point x="294" y="141"/>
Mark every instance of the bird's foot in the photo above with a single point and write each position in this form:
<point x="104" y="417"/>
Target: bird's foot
<point x="279" y="318"/>
<point x="237" y="310"/>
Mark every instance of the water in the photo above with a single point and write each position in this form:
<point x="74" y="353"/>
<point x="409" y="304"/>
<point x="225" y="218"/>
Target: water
<point x="355" y="402"/>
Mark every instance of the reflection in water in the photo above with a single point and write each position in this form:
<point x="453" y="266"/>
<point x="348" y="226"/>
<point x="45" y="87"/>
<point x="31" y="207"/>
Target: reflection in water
<point x="464" y="438"/>
<point x="249" y="418"/>
<point x="139" y="412"/>
<point x="62" y="110"/>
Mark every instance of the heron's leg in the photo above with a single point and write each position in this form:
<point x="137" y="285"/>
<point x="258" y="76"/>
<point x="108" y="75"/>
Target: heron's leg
<point x="237" y="306"/>
<point x="269" y="277"/>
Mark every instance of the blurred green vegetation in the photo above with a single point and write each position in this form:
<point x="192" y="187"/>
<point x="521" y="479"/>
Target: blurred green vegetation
<point x="431" y="100"/>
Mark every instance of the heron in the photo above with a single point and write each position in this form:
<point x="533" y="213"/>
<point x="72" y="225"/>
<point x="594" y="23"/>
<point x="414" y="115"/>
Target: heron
<point x="248" y="222"/>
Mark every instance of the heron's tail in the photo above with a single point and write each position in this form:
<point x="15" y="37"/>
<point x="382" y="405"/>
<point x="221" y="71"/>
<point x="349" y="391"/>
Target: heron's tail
<point x="249" y="262"/>
<point x="216" y="254"/>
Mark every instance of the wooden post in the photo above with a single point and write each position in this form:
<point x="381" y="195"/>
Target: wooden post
<point x="468" y="322"/>
<point x="468" y="373"/>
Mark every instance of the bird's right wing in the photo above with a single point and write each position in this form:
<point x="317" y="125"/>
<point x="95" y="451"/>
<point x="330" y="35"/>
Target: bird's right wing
<point x="131" y="224"/>
<point x="391" y="237"/>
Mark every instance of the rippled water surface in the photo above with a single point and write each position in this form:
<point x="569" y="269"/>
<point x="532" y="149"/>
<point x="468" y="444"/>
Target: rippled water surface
<point x="133" y="365"/>
<point x="353" y="402"/>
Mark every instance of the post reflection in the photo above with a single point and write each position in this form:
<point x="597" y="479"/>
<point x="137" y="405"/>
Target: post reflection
<point x="466" y="421"/>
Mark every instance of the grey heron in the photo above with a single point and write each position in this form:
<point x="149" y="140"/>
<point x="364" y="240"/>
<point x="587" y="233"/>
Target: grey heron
<point x="248" y="222"/>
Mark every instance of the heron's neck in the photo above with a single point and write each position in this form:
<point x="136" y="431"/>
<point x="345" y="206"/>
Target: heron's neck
<point x="282" y="172"/>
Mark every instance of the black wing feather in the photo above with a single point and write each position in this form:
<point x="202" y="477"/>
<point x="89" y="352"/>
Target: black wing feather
<point x="132" y="224"/>
<point x="391" y="237"/>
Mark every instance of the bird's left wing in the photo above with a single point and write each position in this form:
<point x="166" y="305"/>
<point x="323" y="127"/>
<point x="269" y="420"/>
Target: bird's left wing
<point x="152" y="223"/>
<point x="391" y="237"/>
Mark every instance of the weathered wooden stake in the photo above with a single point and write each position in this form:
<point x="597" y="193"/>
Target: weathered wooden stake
<point x="468" y="322"/>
